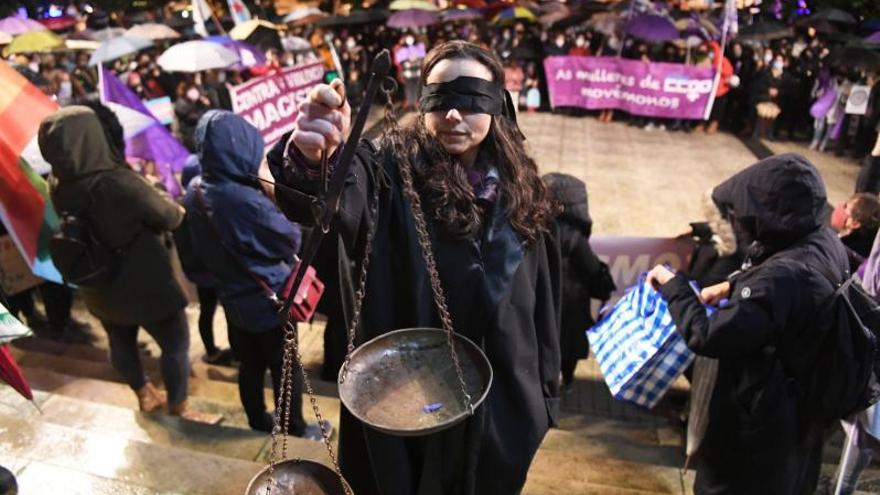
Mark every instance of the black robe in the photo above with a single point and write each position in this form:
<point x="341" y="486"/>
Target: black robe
<point x="502" y="294"/>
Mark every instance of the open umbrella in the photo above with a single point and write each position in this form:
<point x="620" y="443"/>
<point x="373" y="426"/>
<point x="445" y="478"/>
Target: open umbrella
<point x="874" y="38"/>
<point x="513" y="14"/>
<point x="857" y="57"/>
<point x="834" y="15"/>
<point x="19" y="25"/>
<point x="455" y="15"/>
<point x="85" y="45"/>
<point x="107" y="33"/>
<point x="471" y="4"/>
<point x="196" y="56"/>
<point x="652" y="27"/>
<point x="152" y="31"/>
<point x="258" y="33"/>
<point x="249" y="55"/>
<point x="555" y="15"/>
<point x="11" y="329"/>
<point x="765" y="31"/>
<point x="412" y="18"/>
<point x="354" y="18"/>
<point x="118" y="47"/>
<point x="606" y="23"/>
<point x="34" y="41"/>
<point x="305" y="15"/>
<point x="412" y="4"/>
<point x="295" y="44"/>
<point x="58" y="23"/>
<point x="244" y="30"/>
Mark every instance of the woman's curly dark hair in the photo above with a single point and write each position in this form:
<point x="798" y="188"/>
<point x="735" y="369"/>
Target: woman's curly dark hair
<point x="442" y="179"/>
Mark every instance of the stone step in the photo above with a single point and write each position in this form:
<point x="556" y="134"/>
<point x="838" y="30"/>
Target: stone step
<point x="66" y="377"/>
<point x="119" y="463"/>
<point x="556" y="471"/>
<point x="198" y="368"/>
<point x="160" y="429"/>
<point x="604" y="437"/>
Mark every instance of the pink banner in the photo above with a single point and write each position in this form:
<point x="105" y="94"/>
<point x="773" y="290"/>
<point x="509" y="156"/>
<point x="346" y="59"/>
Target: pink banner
<point x="270" y="102"/>
<point x="652" y="89"/>
<point x="629" y="257"/>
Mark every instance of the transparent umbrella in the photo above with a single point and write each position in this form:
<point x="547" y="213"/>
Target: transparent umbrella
<point x="118" y="47"/>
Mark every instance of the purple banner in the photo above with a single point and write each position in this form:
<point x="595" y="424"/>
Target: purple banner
<point x="270" y="103"/>
<point x="652" y="89"/>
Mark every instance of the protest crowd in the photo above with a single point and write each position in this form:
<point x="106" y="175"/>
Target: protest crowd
<point x="210" y="128"/>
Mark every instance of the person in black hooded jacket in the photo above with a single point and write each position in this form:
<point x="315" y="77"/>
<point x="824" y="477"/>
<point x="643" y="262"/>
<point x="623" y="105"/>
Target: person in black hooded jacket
<point x="584" y="276"/>
<point x="767" y="337"/>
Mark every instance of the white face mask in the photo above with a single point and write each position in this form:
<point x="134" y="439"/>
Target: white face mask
<point x="768" y="57"/>
<point x="221" y="77"/>
<point x="192" y="94"/>
<point x="560" y="42"/>
<point x="350" y="43"/>
<point x="409" y="40"/>
<point x="65" y="89"/>
<point x="580" y="42"/>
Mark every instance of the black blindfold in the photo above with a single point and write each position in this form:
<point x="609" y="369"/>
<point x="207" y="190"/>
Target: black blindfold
<point x="465" y="94"/>
<point x="468" y="94"/>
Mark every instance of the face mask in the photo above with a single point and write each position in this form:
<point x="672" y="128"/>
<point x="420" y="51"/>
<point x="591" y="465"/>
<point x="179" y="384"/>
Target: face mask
<point x="192" y="94"/>
<point x="580" y="42"/>
<point x="65" y="89"/>
<point x="778" y="66"/>
<point x="768" y="57"/>
<point x="560" y="42"/>
<point x="410" y="40"/>
<point x="221" y="77"/>
<point x="350" y="43"/>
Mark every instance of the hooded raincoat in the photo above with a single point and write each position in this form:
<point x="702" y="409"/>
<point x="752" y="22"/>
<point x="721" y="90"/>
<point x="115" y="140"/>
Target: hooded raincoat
<point x="127" y="213"/>
<point x="760" y="438"/>
<point x="502" y="294"/>
<point x="240" y="234"/>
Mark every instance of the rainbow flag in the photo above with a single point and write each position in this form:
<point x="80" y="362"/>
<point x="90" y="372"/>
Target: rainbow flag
<point x="25" y="208"/>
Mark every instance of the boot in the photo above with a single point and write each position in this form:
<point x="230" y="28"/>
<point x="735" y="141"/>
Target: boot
<point x="182" y="410"/>
<point x="149" y="398"/>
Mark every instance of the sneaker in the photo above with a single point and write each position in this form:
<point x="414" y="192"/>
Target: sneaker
<point x="649" y="127"/>
<point x="662" y="127"/>
<point x="313" y="431"/>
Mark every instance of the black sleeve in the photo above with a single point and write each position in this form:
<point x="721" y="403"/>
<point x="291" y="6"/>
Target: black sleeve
<point x="757" y="310"/>
<point x="295" y="188"/>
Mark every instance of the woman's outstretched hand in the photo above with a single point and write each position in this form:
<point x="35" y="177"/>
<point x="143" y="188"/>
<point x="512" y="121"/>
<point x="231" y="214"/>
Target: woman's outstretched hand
<point x="323" y="121"/>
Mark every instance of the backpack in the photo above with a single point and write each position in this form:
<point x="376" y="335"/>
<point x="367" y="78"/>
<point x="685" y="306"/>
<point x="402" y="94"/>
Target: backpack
<point x="81" y="258"/>
<point x="846" y="376"/>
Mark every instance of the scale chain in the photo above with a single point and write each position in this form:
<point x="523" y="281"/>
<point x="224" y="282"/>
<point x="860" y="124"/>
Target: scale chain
<point x="428" y="255"/>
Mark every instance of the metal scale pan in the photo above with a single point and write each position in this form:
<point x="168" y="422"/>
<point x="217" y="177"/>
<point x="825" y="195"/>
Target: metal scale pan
<point x="404" y="382"/>
<point x="297" y="477"/>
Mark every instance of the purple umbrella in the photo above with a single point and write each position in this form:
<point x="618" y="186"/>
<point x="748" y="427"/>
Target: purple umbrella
<point x="19" y="25"/>
<point x="250" y="55"/>
<point x="874" y="38"/>
<point x="412" y="18"/>
<point x="652" y="28"/>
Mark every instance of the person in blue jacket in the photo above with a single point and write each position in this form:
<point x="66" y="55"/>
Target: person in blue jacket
<point x="249" y="246"/>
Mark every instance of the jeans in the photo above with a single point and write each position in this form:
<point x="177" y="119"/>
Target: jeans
<point x="207" y="308"/>
<point x="258" y="351"/>
<point x="853" y="460"/>
<point x="172" y="335"/>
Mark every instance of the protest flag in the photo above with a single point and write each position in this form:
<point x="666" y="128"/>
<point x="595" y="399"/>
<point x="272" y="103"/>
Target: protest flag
<point x="25" y="208"/>
<point x="239" y="11"/>
<point x="200" y="12"/>
<point x="145" y="137"/>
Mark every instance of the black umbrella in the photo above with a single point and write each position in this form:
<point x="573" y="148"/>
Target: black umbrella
<point x="765" y="31"/>
<point x="857" y="57"/>
<point x="834" y="15"/>
<point x="356" y="17"/>
<point x="823" y="26"/>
